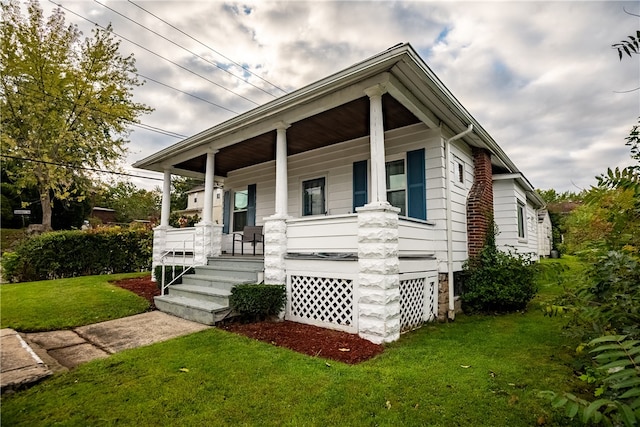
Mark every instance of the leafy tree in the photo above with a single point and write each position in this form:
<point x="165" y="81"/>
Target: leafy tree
<point x="130" y="202"/>
<point x="65" y="102"/>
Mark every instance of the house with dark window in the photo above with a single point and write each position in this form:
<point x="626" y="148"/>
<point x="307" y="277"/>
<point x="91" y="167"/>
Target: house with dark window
<point x="363" y="193"/>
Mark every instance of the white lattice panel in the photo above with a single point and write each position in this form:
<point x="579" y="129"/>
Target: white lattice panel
<point x="431" y="308"/>
<point x="322" y="300"/>
<point x="412" y="303"/>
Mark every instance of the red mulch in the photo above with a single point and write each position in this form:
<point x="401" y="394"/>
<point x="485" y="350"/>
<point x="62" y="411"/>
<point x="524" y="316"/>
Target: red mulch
<point x="142" y="286"/>
<point x="306" y="339"/>
<point x="310" y="340"/>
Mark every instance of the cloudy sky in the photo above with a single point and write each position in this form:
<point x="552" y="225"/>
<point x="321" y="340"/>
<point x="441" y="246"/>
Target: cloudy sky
<point x="540" y="77"/>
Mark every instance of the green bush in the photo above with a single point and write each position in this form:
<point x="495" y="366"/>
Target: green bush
<point x="257" y="302"/>
<point x="498" y="282"/>
<point x="63" y="254"/>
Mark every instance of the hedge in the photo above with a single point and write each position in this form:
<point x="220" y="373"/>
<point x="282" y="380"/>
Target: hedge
<point x="61" y="254"/>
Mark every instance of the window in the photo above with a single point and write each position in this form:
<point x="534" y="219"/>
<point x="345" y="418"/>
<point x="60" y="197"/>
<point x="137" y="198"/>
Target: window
<point x="195" y="198"/>
<point x="521" y="217"/>
<point x="458" y="170"/>
<point x="396" y="185"/>
<point x="240" y="204"/>
<point x="313" y="197"/>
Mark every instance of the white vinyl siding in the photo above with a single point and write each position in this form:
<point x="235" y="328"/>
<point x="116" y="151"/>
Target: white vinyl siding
<point x="506" y="197"/>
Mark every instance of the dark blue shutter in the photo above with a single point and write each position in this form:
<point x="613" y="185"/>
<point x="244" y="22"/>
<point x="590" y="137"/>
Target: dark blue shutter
<point x="360" y="185"/>
<point x="416" y="197"/>
<point x="226" y="212"/>
<point x="251" y="204"/>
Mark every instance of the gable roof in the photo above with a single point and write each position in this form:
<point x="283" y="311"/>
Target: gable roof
<point x="414" y="93"/>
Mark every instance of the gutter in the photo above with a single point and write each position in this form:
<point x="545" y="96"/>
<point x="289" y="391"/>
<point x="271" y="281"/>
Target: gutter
<point x="447" y="149"/>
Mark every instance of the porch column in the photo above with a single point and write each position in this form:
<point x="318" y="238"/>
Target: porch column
<point x="379" y="274"/>
<point x="282" y="195"/>
<point x="376" y="143"/>
<point x="207" y="212"/>
<point x="275" y="226"/>
<point x="160" y="232"/>
<point x="166" y="199"/>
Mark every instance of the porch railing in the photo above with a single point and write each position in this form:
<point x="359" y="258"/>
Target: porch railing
<point x="179" y="251"/>
<point x="416" y="237"/>
<point x="336" y="233"/>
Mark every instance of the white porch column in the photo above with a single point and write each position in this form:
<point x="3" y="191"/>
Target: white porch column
<point x="275" y="226"/>
<point x="376" y="143"/>
<point x="207" y="211"/>
<point x="282" y="195"/>
<point x="166" y="199"/>
<point x="160" y="232"/>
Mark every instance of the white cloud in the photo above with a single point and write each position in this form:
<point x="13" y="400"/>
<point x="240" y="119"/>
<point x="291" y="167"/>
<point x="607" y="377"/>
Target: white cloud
<point x="541" y="77"/>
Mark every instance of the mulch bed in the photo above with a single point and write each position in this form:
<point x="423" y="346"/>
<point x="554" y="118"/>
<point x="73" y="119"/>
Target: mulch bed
<point x="305" y="339"/>
<point x="142" y="286"/>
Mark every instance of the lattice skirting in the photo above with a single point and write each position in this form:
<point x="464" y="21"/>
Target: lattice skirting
<point x="418" y="302"/>
<point x="322" y="301"/>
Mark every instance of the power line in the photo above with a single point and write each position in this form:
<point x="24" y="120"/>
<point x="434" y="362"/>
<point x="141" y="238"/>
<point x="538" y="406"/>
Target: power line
<point x="182" y="47"/>
<point x="154" y="53"/>
<point x="139" y="125"/>
<point x="186" y="93"/>
<point x="208" y="47"/>
<point x="68" y="166"/>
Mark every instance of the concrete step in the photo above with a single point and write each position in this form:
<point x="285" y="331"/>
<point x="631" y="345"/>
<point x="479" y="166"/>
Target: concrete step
<point x="202" y="293"/>
<point x="237" y="263"/>
<point x="214" y="282"/>
<point x="205" y="312"/>
<point x="242" y="274"/>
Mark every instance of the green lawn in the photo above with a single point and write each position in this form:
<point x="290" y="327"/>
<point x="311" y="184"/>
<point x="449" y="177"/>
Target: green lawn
<point x="66" y="303"/>
<point x="476" y="371"/>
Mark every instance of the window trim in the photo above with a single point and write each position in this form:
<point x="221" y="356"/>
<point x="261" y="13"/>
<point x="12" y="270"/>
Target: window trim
<point x="459" y="175"/>
<point x="521" y="214"/>
<point x="233" y="209"/>
<point x="325" y="195"/>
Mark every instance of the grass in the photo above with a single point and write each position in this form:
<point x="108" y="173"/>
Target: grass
<point x="66" y="303"/>
<point x="476" y="371"/>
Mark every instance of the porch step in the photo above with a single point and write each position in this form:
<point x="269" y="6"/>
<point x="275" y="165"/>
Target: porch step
<point x="220" y="282"/>
<point x="243" y="274"/>
<point x="202" y="293"/>
<point x="236" y="263"/>
<point x="196" y="310"/>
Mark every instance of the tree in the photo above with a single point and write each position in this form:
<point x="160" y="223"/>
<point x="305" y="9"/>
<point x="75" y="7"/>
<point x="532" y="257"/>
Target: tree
<point x="130" y="202"/>
<point x="65" y="102"/>
<point x="179" y="187"/>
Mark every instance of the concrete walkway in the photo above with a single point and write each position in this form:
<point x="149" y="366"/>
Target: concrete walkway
<point x="29" y="358"/>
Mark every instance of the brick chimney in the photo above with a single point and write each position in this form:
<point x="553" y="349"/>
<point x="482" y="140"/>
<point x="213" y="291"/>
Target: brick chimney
<point x="479" y="202"/>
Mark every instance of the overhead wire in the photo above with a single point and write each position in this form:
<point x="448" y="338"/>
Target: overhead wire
<point x="207" y="46"/>
<point x="129" y="122"/>
<point x="183" y="48"/>
<point x="70" y="166"/>
<point x="154" y="53"/>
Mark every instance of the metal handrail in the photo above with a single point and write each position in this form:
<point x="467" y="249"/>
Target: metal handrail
<point x="184" y="266"/>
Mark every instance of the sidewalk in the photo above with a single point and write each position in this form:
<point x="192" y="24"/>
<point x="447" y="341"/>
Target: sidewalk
<point x="32" y="357"/>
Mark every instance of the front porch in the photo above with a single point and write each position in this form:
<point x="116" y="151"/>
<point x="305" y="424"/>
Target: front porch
<point x="370" y="273"/>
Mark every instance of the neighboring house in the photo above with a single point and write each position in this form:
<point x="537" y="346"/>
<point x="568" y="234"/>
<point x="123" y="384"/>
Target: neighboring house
<point x="195" y="202"/>
<point x="105" y="215"/>
<point x="373" y="186"/>
<point x="545" y="233"/>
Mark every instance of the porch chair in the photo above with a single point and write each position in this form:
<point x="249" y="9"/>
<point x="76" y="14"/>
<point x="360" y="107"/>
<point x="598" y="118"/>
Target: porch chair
<point x="250" y="234"/>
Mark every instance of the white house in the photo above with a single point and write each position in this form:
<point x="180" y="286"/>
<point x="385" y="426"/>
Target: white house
<point x="372" y="185"/>
<point x="195" y="202"/>
<point x="545" y="233"/>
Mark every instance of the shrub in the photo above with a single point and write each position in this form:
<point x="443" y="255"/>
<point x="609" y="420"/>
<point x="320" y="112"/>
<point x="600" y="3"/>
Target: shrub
<point x="496" y="281"/>
<point x="63" y="254"/>
<point x="257" y="302"/>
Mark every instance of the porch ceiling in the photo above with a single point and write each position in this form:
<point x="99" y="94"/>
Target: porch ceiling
<point x="343" y="123"/>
